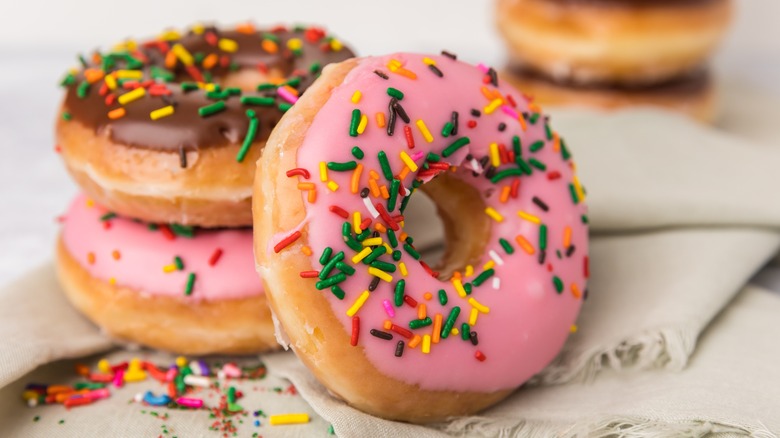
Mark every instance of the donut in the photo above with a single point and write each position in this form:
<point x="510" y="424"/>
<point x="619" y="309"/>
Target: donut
<point x="167" y="130"/>
<point x="376" y="324"/>
<point x="613" y="41"/>
<point x="692" y="94"/>
<point x="181" y="289"/>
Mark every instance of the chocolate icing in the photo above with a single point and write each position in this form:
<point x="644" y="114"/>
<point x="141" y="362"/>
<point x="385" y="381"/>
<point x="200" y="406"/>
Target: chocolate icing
<point x="185" y="128"/>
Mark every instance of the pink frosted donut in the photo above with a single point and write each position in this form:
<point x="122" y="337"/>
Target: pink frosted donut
<point x="377" y="325"/>
<point x="182" y="289"/>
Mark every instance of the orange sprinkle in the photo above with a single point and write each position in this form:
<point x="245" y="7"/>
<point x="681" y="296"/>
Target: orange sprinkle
<point x="567" y="237"/>
<point x="427" y="296"/>
<point x="404" y="172"/>
<point x="387" y="325"/>
<point x="436" y="328"/>
<point x="384" y="192"/>
<point x="380" y="119"/>
<point x="404" y="72"/>
<point x="269" y="46"/>
<point x="457" y="275"/>
<point x="575" y="290"/>
<point x="93" y="75"/>
<point x="556" y="142"/>
<point x="306" y="250"/>
<point x="246" y="28"/>
<point x="422" y="311"/>
<point x="91" y="258"/>
<point x="116" y="254"/>
<point x="292" y="90"/>
<point x="305" y="186"/>
<point x="415" y="341"/>
<point x="170" y="59"/>
<point x="372" y="174"/>
<point x="355" y="181"/>
<point x="312" y="196"/>
<point x="210" y="61"/>
<point x="374" y="187"/>
<point x="379" y="227"/>
<point x="533" y="106"/>
<point x="505" y="194"/>
<point x="523" y="125"/>
<point x="116" y="113"/>
<point x="402" y="237"/>
<point x="525" y="244"/>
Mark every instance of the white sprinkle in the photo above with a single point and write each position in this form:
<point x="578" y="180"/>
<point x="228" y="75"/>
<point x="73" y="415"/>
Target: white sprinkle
<point x="196" y="369"/>
<point x="193" y="380"/>
<point x="496" y="283"/>
<point x="475" y="166"/>
<point x="370" y="207"/>
<point x="32" y="402"/>
<point x="139" y="397"/>
<point x="494" y="255"/>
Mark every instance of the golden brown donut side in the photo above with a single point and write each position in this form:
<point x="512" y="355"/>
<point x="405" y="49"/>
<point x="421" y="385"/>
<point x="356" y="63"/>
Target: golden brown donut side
<point x="595" y="42"/>
<point x="304" y="313"/>
<point x="238" y="326"/>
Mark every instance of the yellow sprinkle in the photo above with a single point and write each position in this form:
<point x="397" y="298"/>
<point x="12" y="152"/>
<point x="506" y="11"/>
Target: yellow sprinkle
<point x="162" y="112"/>
<point x="306" y="250"/>
<point x="131" y="96"/>
<point x="490" y="211"/>
<point x="358" y="303"/>
<point x="207" y="87"/>
<point x="573" y="328"/>
<point x="408" y="161"/>
<point x="104" y="366"/>
<point x="388" y="250"/>
<point x="227" y="45"/>
<point x="356" y="220"/>
<point x="415" y="341"/>
<point x="424" y="130"/>
<point x="110" y="82"/>
<point x="184" y="56"/>
<point x="529" y="217"/>
<point x="380" y="273"/>
<point x="402" y="268"/>
<point x="473" y="316"/>
<point x="112" y="281"/>
<point x="356" y="96"/>
<point x="495" y="103"/>
<point x="170" y="35"/>
<point x="394" y="64"/>
<point x="373" y="241"/>
<point x="469" y="271"/>
<point x="578" y="188"/>
<point x="426" y="345"/>
<point x="323" y="171"/>
<point x="129" y="74"/>
<point x="278" y="420"/>
<point x="336" y="45"/>
<point x="489" y="265"/>
<point x="495" y="158"/>
<point x="294" y="44"/>
<point x="181" y="361"/>
<point x="333" y="186"/>
<point x="361" y="255"/>
<point x="198" y="28"/>
<point x="479" y="306"/>
<point x="429" y="61"/>
<point x="363" y="123"/>
<point x="169" y="268"/>
<point x="455" y="331"/>
<point x="459" y="287"/>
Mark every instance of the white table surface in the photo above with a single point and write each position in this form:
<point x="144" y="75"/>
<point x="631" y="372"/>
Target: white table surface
<point x="37" y="47"/>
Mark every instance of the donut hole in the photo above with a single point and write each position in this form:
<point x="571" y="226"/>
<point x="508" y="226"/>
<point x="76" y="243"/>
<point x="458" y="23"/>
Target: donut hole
<point x="459" y="237"/>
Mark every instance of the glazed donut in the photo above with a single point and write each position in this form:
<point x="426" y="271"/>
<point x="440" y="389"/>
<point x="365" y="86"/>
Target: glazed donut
<point x="148" y="131"/>
<point x="192" y="291"/>
<point x="623" y="41"/>
<point x="373" y="321"/>
<point x="692" y="94"/>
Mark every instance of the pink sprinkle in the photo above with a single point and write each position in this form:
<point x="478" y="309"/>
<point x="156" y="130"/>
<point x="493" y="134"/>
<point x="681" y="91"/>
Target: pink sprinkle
<point x="388" y="308"/>
<point x="119" y="378"/>
<point x="189" y="402"/>
<point x="483" y="68"/>
<point x="170" y="374"/>
<point x="286" y="95"/>
<point x="231" y="370"/>
<point x="510" y="111"/>
<point x="417" y="156"/>
<point x="97" y="394"/>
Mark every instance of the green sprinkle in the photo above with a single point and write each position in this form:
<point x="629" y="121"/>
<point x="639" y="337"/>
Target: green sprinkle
<point x="445" y="331"/>
<point x="107" y="216"/>
<point x="266" y="86"/>
<point x="353" y="124"/>
<point x="584" y="219"/>
<point x="398" y="296"/>
<point x="330" y="430"/>
<point x="465" y="331"/>
<point x="432" y="157"/>
<point x="537" y="164"/>
<point x="217" y="95"/>
<point x="391" y="238"/>
<point x="412" y="252"/>
<point x="558" y="284"/>
<point x="353" y="244"/>
<point x="337" y="291"/>
<point x="523" y="165"/>
<point x="505" y="174"/>
<point x="417" y="323"/>
<point x="364" y="235"/>
<point x="507" y="246"/>
<point x="293" y="81"/>
<point x="212" y="109"/>
<point x="161" y="73"/>
<point x="345" y="268"/>
<point x="284" y="107"/>
<point x="270" y="36"/>
<point x="385" y="165"/>
<point x="152" y="227"/>
<point x="250" y="135"/>
<point x="443" y="297"/>
<point x="330" y="265"/>
<point x="190" y="284"/>
<point x="543" y="237"/>
<point x="574" y="197"/>
<point x="447" y="129"/>
<point x="516" y="146"/>
<point x="454" y="146"/>
<point x="36" y="418"/>
<point x="383" y="266"/>
<point x="392" y="92"/>
<point x="565" y="151"/>
<point x="357" y="153"/>
<point x="61" y="422"/>
<point x="179" y="263"/>
<point x="548" y="132"/>
<point x="467" y="287"/>
<point x="331" y="281"/>
<point x="183" y="230"/>
<point x="257" y="100"/>
<point x="69" y="79"/>
<point x="88" y="385"/>
<point x="82" y="90"/>
<point x="535" y="146"/>
<point x="482" y="277"/>
<point x="189" y="86"/>
<point x="325" y="256"/>
<point x="66" y="116"/>
<point x="315" y="67"/>
<point x="397" y="255"/>
<point x="534" y="117"/>
<point x="342" y="167"/>
<point x="406" y="201"/>
<point x="375" y="254"/>
<point x="394" y="186"/>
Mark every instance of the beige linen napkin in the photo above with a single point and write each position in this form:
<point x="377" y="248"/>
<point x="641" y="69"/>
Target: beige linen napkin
<point x="681" y="218"/>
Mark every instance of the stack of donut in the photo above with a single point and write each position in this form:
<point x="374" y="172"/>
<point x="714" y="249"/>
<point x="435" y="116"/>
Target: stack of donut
<point x="162" y="137"/>
<point x="615" y="53"/>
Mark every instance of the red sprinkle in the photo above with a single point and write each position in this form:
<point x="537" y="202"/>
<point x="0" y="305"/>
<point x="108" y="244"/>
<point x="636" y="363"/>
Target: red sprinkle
<point x="287" y="241"/>
<point x="215" y="257"/>
<point x="339" y="211"/>
<point x="210" y="38"/>
<point x="195" y="73"/>
<point x="402" y="331"/>
<point x="298" y="171"/>
<point x="167" y="232"/>
<point x="77" y="401"/>
<point x="511" y="100"/>
<point x="409" y="137"/>
<point x="410" y="301"/>
<point x="386" y="217"/>
<point x="515" y="188"/>
<point x="553" y="174"/>
<point x="106" y="225"/>
<point x="355" y="330"/>
<point x="472" y="124"/>
<point x="428" y="269"/>
<point x="365" y="223"/>
<point x="480" y="357"/>
<point x="586" y="266"/>
<point x="309" y="274"/>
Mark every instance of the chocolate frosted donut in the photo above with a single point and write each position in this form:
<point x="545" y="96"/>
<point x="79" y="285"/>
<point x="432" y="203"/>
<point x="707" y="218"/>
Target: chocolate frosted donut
<point x="167" y="130"/>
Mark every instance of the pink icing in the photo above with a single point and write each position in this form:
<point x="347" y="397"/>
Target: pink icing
<point x="528" y="320"/>
<point x="143" y="254"/>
